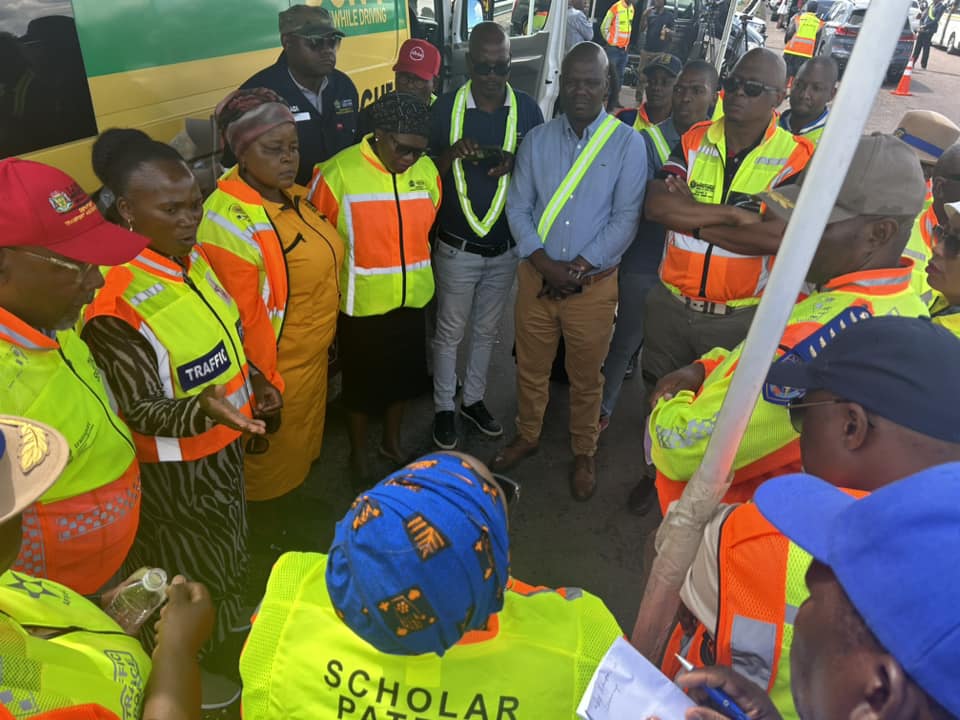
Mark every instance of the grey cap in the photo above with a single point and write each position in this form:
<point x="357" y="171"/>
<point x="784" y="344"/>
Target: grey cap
<point x="884" y="179"/>
<point x="308" y="21"/>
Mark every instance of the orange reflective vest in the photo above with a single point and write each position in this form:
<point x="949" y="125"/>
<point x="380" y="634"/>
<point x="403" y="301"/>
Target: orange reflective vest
<point x="698" y="269"/>
<point x="681" y="427"/>
<point x="920" y="249"/>
<point x="385" y="221"/>
<point x="804" y="39"/>
<point x="247" y="256"/>
<point x="193" y="326"/>
<point x="618" y="24"/>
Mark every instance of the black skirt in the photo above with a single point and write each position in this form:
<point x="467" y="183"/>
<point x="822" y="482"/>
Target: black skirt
<point x="383" y="359"/>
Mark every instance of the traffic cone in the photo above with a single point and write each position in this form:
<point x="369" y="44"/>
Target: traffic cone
<point x="903" y="87"/>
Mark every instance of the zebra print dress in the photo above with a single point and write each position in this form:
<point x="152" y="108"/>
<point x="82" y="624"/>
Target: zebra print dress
<point x="193" y="514"/>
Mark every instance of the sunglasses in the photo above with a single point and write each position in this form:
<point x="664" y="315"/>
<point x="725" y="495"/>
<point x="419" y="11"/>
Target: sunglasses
<point x="509" y="487"/>
<point x="81" y="269"/>
<point x="949" y="240"/>
<point x="401" y="150"/>
<point x="321" y="43"/>
<point x="751" y="88"/>
<point x="798" y="411"/>
<point x="501" y="68"/>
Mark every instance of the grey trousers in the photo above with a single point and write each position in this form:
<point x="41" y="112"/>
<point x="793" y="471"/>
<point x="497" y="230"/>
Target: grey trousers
<point x="627" y="336"/>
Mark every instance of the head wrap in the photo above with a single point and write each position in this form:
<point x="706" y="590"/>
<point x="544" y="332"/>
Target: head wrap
<point x="401" y="113"/>
<point x="245" y="115"/>
<point x="421" y="558"/>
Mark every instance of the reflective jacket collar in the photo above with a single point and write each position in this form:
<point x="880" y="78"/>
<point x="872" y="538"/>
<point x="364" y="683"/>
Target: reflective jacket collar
<point x="366" y="151"/>
<point x="16" y="332"/>
<point x="717" y="132"/>
<point x="161" y="266"/>
<point x="234" y="185"/>
<point x="883" y="281"/>
<point x="818" y="123"/>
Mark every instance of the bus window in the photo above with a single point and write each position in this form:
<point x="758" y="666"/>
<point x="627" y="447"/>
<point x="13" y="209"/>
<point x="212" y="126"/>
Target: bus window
<point x="44" y="96"/>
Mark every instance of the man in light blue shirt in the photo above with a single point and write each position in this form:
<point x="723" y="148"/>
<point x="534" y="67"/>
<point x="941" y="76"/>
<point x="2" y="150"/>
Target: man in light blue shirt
<point x="573" y="208"/>
<point x="579" y="27"/>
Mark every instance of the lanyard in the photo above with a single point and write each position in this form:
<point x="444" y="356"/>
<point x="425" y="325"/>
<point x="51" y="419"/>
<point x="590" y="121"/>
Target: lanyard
<point x="483" y="226"/>
<point x="574" y="175"/>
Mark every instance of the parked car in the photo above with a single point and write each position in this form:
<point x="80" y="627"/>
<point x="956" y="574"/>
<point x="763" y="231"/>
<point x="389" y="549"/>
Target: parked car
<point x="838" y="35"/>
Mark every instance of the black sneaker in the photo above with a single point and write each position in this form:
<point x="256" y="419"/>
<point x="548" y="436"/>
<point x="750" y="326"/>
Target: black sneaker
<point x="481" y="417"/>
<point x="445" y="429"/>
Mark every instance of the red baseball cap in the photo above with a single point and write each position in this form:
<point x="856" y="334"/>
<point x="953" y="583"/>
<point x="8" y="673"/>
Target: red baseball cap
<point x="420" y="58"/>
<point x="45" y="207"/>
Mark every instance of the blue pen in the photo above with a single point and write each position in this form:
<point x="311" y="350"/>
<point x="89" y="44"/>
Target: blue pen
<point x="723" y="701"/>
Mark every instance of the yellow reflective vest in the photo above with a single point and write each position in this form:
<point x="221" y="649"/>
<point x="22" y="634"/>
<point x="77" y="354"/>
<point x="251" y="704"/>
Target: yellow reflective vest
<point x="384" y="220"/>
<point x="54" y="380"/>
<point x="920" y="250"/>
<point x="533" y="662"/>
<point x="193" y="326"/>
<point x="948" y="317"/>
<point x="85" y="658"/>
<point x="804" y="39"/>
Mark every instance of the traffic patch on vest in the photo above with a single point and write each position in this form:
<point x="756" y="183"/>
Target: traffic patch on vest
<point x="366" y="697"/>
<point x="204" y="369"/>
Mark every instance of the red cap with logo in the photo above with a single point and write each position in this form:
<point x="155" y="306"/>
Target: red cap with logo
<point x="44" y="207"/>
<point x="420" y="58"/>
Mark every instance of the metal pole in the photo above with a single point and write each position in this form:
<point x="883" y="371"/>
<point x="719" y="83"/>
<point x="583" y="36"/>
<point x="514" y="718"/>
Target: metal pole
<point x="679" y="536"/>
<point x="727" y="25"/>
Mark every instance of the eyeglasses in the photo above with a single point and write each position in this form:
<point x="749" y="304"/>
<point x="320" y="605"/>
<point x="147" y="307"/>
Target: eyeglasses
<point x="501" y="68"/>
<point x="949" y="240"/>
<point x="81" y="269"/>
<point x="321" y="43"/>
<point x="401" y="150"/>
<point x="509" y="487"/>
<point x="751" y="88"/>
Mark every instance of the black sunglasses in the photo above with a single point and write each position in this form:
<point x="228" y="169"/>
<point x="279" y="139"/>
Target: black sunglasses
<point x="751" y="88"/>
<point x="401" y="150"/>
<point x="949" y="240"/>
<point x="321" y="43"/>
<point x="501" y="68"/>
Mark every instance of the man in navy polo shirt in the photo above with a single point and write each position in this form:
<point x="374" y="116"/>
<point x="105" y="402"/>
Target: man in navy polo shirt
<point x="323" y="100"/>
<point x="474" y="137"/>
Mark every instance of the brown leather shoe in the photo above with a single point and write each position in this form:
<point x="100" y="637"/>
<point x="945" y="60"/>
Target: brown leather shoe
<point x="518" y="449"/>
<point x="583" y="479"/>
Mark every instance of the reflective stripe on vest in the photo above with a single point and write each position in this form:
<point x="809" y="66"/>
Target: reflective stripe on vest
<point x="60" y="385"/>
<point x="90" y="660"/>
<point x="804" y="39"/>
<point x="192" y="325"/>
<point x="235" y="220"/>
<point x="344" y="676"/>
<point x="481" y="227"/>
<point x="574" y="175"/>
<point x="659" y="142"/>
<point x="385" y="221"/>
<point x="699" y="269"/>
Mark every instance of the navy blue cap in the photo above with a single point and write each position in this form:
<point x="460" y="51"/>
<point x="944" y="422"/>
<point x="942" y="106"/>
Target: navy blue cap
<point x="890" y="552"/>
<point x="664" y="61"/>
<point x="906" y="370"/>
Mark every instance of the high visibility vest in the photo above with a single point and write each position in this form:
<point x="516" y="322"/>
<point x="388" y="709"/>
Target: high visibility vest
<point x="193" y="326"/>
<point x="699" y="269"/>
<point x="617" y="24"/>
<point x="812" y="132"/>
<point x="642" y="121"/>
<point x="57" y="382"/>
<point x="681" y="427"/>
<point x="534" y="660"/>
<point x="239" y="240"/>
<point x="659" y="142"/>
<point x="384" y="220"/>
<point x="87" y="660"/>
<point x="948" y="317"/>
<point x="805" y="38"/>
<point x="920" y="249"/>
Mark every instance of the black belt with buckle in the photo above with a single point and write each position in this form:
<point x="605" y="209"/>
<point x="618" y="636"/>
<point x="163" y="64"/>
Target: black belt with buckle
<point x="475" y="248"/>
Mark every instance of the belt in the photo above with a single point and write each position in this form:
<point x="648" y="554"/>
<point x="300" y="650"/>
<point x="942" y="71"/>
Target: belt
<point x="704" y="306"/>
<point x="597" y="277"/>
<point x="476" y="248"/>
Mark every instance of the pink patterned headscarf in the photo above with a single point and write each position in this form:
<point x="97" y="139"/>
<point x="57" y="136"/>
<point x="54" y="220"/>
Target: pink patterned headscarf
<point x="244" y="115"/>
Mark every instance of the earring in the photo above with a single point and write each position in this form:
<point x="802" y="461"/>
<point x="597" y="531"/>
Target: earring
<point x="130" y="225"/>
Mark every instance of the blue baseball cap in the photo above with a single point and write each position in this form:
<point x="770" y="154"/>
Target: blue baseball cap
<point x="906" y="370"/>
<point x="887" y="550"/>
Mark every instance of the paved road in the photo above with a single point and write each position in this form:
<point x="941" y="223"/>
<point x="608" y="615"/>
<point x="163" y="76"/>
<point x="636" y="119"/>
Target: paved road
<point x="556" y="541"/>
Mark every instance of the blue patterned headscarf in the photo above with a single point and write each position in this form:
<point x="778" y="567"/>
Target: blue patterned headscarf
<point x="421" y="558"/>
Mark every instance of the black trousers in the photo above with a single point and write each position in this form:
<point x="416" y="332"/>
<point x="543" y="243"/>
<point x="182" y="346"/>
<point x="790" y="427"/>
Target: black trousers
<point x="922" y="46"/>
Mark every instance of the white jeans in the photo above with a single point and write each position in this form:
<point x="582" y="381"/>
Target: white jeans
<point x="473" y="290"/>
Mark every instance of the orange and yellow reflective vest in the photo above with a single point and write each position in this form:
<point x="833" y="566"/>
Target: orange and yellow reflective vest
<point x="193" y="326"/>
<point x="384" y="220"/>
<point x="804" y="40"/>
<point x="698" y="269"/>
<point x="681" y="426"/>
<point x="617" y="24"/>
<point x="533" y="660"/>
<point x="920" y="250"/>
<point x="247" y="256"/>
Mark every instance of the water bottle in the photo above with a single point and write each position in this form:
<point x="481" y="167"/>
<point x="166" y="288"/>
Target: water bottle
<point x="138" y="599"/>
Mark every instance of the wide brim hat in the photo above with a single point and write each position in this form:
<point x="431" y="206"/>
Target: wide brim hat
<point x="32" y="457"/>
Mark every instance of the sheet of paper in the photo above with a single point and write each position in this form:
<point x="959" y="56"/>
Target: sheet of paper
<point x="626" y="686"/>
